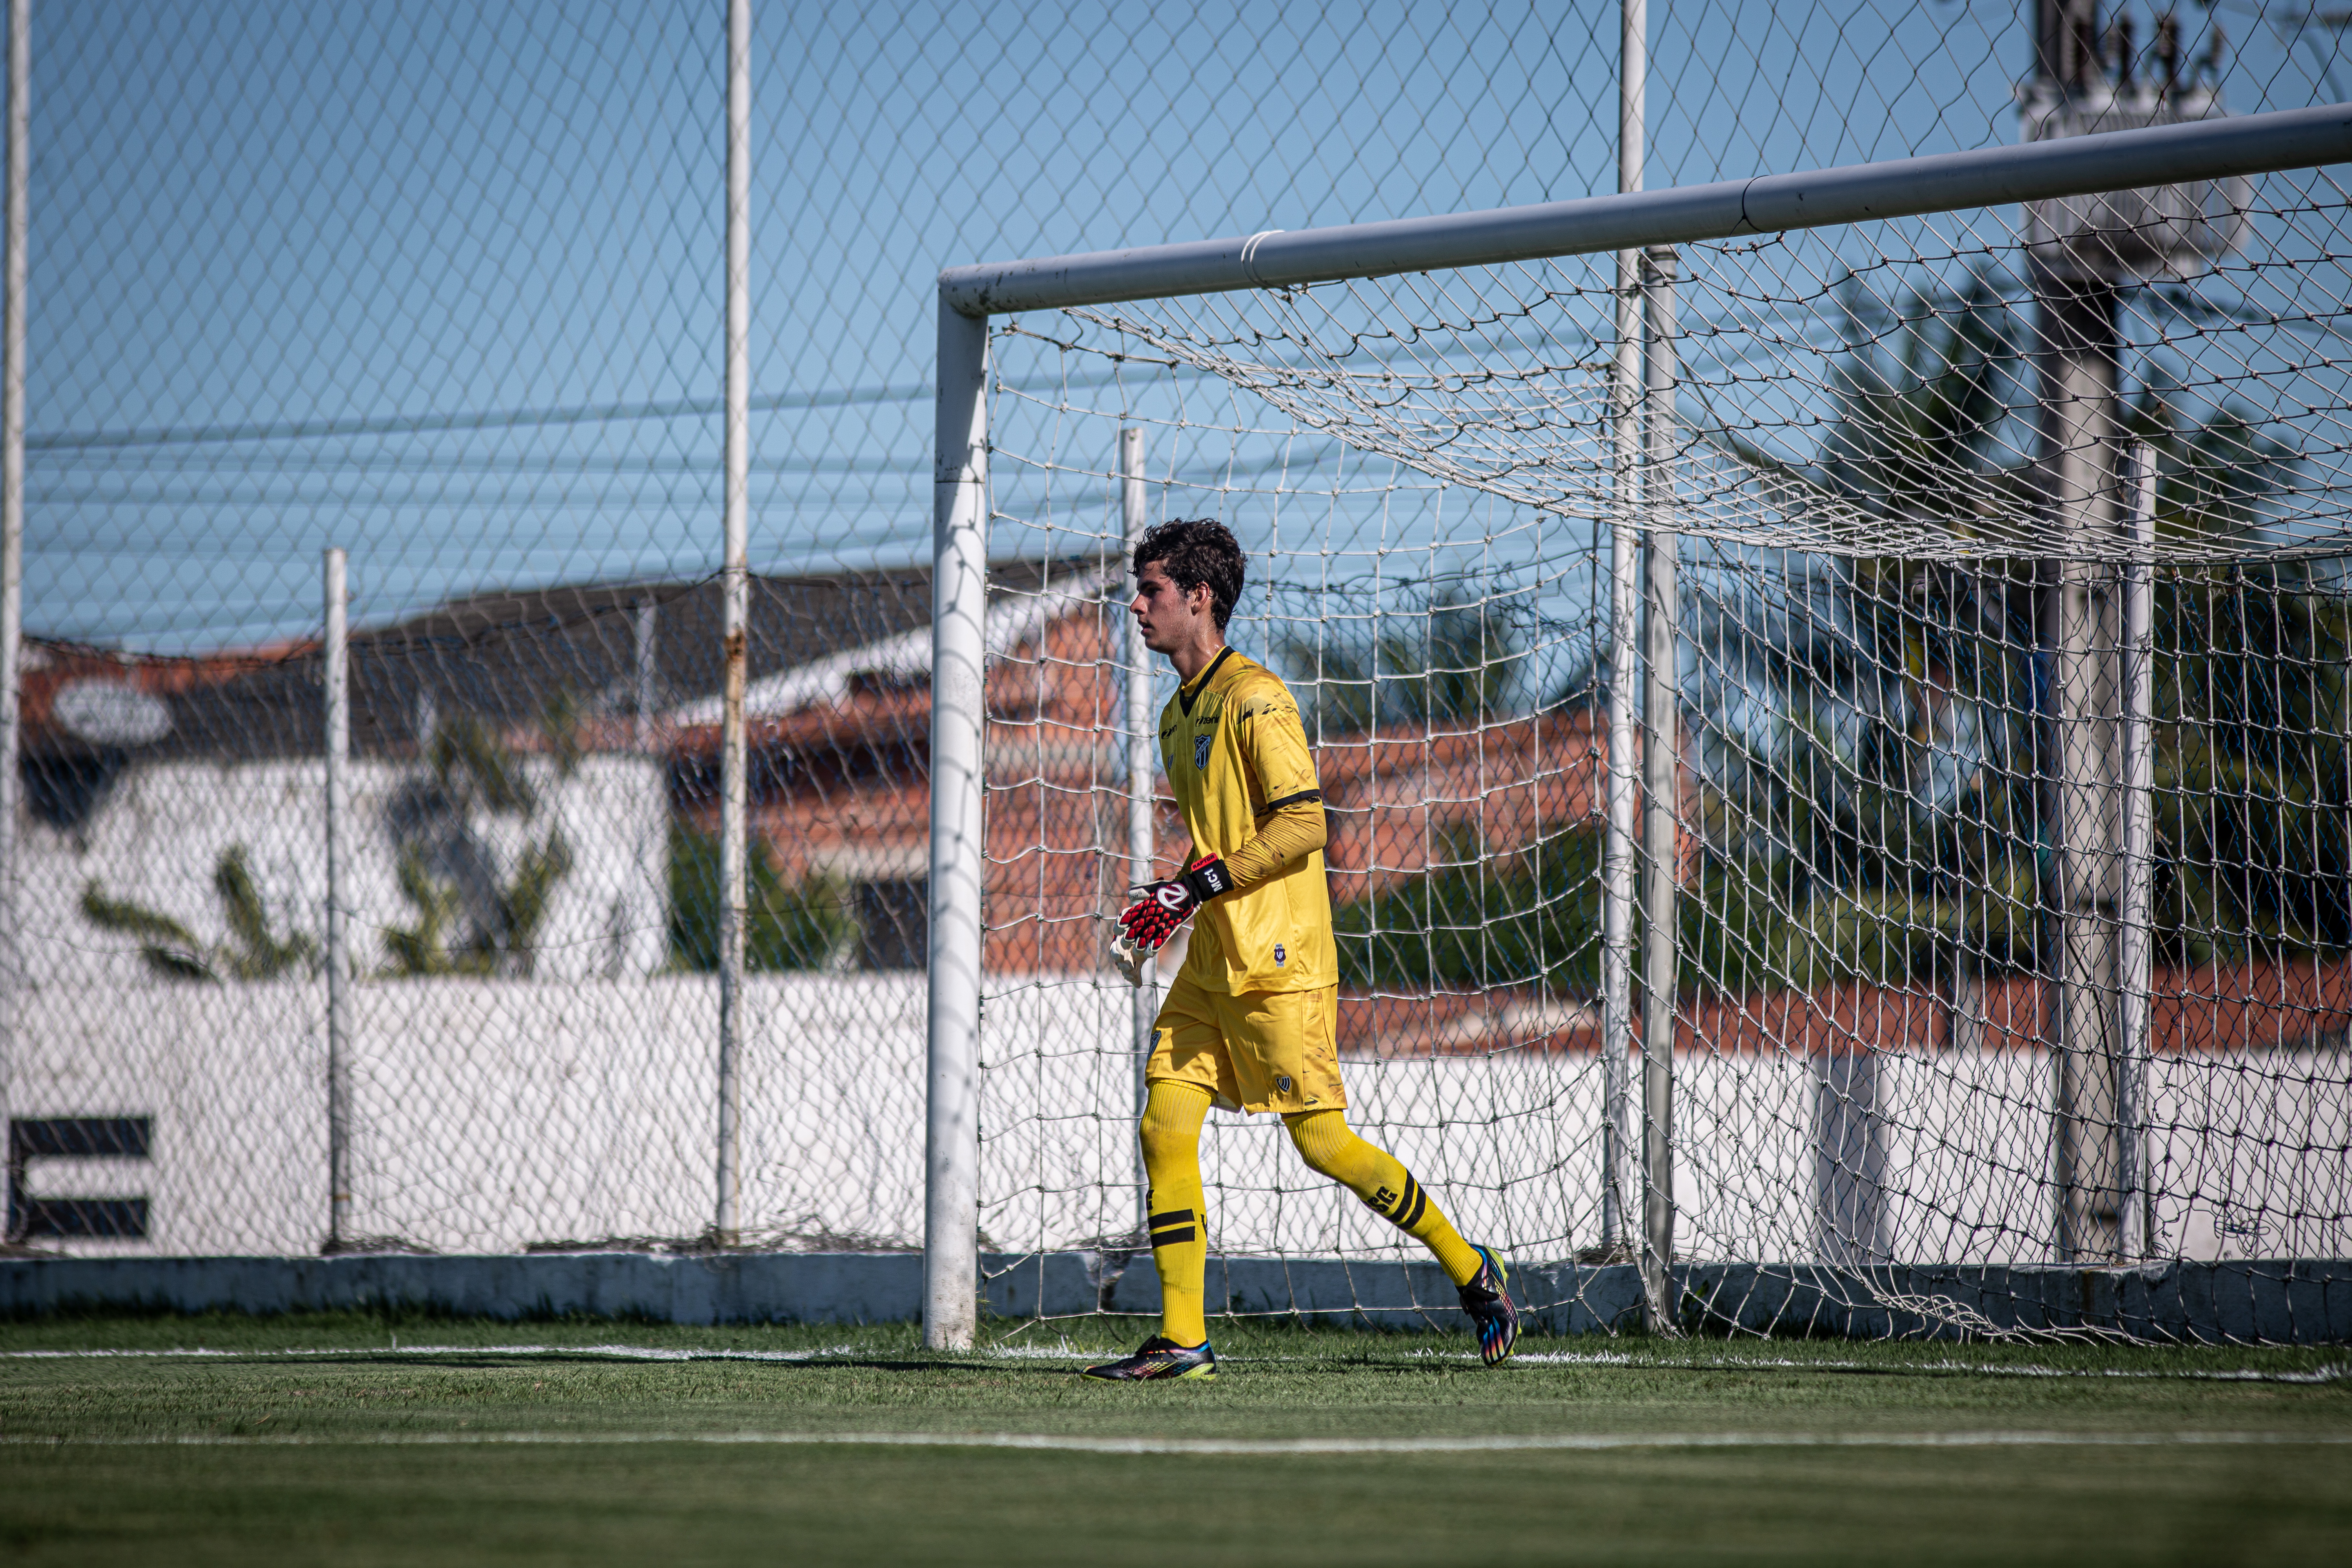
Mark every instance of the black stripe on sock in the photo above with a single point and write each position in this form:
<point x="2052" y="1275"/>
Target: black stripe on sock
<point x="1415" y="1204"/>
<point x="1173" y="1216"/>
<point x="1172" y="1237"/>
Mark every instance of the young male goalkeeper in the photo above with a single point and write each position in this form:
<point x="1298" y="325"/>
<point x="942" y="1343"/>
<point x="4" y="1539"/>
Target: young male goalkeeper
<point x="1251" y="1019"/>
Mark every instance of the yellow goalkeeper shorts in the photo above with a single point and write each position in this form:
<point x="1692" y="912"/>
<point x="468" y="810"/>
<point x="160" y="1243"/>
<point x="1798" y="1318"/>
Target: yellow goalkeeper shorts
<point x="1254" y="1050"/>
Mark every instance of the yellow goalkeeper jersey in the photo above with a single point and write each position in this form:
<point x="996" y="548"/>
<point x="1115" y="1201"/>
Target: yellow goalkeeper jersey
<point x="1234" y="751"/>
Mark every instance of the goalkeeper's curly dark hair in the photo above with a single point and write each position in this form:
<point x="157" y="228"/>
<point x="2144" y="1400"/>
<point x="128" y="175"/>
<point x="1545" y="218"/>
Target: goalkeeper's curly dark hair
<point x="1193" y="552"/>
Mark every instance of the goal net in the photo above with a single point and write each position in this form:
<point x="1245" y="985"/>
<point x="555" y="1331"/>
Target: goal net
<point x="2010" y="711"/>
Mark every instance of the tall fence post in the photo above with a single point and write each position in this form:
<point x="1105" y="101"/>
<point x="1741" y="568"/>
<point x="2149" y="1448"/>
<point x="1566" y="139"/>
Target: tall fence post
<point x="1662" y="789"/>
<point x="12" y="530"/>
<point x="2134" y="1218"/>
<point x="338" y="682"/>
<point x="1146" y="1000"/>
<point x="644" y="626"/>
<point x="734" y="819"/>
<point x="958" y="734"/>
<point x="1617" y="866"/>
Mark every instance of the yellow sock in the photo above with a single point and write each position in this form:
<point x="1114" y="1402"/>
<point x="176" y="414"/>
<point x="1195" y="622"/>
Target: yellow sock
<point x="1172" y="1114"/>
<point x="1330" y="1146"/>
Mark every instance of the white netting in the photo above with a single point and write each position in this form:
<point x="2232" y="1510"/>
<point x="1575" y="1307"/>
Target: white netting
<point x="1497" y="379"/>
<point x="1900" y="483"/>
<point x="1434" y="644"/>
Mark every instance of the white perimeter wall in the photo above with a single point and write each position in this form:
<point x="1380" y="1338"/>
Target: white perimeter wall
<point x="495" y="1114"/>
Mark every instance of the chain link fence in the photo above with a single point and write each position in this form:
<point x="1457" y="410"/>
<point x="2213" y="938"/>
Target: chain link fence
<point x="443" y="287"/>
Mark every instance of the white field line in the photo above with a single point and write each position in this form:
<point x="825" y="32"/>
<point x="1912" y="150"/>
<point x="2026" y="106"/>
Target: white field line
<point x="1573" y="1442"/>
<point x="1751" y="1363"/>
<point x="2324" y="1374"/>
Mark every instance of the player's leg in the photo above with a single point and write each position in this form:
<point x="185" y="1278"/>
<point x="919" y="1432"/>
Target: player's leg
<point x="1172" y="1114"/>
<point x="1330" y="1146"/>
<point x="1188" y="1071"/>
<point x="1285" y="1051"/>
<point x="1290" y="1041"/>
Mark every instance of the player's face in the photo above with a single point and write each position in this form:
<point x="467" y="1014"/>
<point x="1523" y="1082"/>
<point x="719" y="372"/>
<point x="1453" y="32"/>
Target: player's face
<point x="1170" y="617"/>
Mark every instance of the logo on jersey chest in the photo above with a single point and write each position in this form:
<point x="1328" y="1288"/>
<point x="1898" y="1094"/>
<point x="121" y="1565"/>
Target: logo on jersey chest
<point x="1201" y="744"/>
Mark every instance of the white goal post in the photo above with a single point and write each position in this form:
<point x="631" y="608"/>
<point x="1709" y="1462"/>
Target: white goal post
<point x="969" y="297"/>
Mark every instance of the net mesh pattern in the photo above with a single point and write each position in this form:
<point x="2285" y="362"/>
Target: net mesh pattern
<point x="1430" y="686"/>
<point x="1855" y="392"/>
<point x="1900" y="1035"/>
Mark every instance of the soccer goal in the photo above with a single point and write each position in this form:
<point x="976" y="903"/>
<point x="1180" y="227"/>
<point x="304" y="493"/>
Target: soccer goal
<point x="1834" y="694"/>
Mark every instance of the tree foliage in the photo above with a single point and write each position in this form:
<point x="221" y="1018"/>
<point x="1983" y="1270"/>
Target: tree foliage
<point x="806" y="925"/>
<point x="1829" y="856"/>
<point x="254" y="952"/>
<point x="477" y="922"/>
<point x="507" y="941"/>
<point x="1452" y="662"/>
<point x="1529" y="919"/>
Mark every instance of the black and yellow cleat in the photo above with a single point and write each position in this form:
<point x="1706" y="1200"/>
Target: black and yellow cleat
<point x="1486" y="1298"/>
<point x="1160" y="1358"/>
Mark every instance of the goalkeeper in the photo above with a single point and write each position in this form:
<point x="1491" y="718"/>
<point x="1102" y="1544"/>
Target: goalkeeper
<point x="1251" y="1022"/>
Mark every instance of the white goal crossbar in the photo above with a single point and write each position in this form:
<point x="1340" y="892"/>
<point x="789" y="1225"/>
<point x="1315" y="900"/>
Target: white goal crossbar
<point x="1769" y="203"/>
<point x="968" y="295"/>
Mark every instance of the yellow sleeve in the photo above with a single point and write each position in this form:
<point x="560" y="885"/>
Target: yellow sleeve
<point x="1287" y="835"/>
<point x="1290" y="824"/>
<point x="1274" y="748"/>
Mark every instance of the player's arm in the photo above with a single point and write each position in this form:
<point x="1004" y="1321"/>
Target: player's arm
<point x="1285" y="834"/>
<point x="1290" y="826"/>
<point x="1160" y="907"/>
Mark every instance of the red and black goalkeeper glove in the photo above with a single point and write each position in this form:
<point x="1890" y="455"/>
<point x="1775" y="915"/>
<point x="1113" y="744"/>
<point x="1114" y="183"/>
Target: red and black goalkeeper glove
<point x="1153" y="918"/>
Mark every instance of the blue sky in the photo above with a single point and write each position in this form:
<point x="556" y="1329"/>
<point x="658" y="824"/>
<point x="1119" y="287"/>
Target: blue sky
<point x="441" y="284"/>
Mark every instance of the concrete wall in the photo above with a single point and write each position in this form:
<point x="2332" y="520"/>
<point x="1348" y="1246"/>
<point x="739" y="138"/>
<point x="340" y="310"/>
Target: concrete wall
<point x="488" y="1114"/>
<point x="492" y="1115"/>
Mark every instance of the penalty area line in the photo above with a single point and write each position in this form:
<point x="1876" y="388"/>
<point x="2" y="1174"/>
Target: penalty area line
<point x="1578" y="1442"/>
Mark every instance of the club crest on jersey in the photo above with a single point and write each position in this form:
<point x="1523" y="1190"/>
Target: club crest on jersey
<point x="1201" y="744"/>
<point x="1279" y="956"/>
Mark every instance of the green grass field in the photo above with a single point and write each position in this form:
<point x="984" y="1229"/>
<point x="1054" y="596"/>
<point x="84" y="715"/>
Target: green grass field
<point x="353" y="1439"/>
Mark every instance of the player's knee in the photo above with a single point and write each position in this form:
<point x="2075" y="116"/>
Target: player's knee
<point x="1162" y="1140"/>
<point x="1321" y="1138"/>
<point x="1171" y="1125"/>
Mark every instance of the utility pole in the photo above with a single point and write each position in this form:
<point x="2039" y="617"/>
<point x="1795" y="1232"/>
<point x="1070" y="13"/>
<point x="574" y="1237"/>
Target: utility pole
<point x="2078" y="367"/>
<point x="2081" y="253"/>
